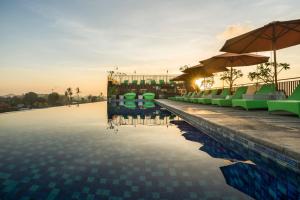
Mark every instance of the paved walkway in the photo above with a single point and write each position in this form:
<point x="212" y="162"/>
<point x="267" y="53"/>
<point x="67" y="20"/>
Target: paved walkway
<point x="279" y="133"/>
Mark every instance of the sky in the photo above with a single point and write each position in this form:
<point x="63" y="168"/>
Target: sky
<point x="50" y="45"/>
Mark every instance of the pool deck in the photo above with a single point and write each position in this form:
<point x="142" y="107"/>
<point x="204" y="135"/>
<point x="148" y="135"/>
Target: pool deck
<point x="272" y="135"/>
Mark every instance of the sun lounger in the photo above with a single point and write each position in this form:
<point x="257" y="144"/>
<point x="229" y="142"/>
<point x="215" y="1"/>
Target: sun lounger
<point x="207" y="98"/>
<point x="227" y="101"/>
<point x="195" y="98"/>
<point x="186" y="99"/>
<point x="258" y="100"/>
<point x="292" y="104"/>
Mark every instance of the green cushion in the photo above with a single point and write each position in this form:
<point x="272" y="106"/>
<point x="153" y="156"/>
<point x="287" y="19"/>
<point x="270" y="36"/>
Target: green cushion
<point x="161" y="82"/>
<point x="222" y="102"/>
<point x="130" y="95"/>
<point x="225" y="92"/>
<point x="134" y="82"/>
<point x="296" y="94"/>
<point x="266" y="89"/>
<point x="153" y="82"/>
<point x="142" y="82"/>
<point x="239" y="92"/>
<point x="292" y="106"/>
<point x="149" y="96"/>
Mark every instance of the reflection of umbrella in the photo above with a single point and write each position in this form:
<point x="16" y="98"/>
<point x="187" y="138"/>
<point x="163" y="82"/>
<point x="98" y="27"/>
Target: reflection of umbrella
<point x="271" y="37"/>
<point x="258" y="183"/>
<point x="233" y="60"/>
<point x="212" y="147"/>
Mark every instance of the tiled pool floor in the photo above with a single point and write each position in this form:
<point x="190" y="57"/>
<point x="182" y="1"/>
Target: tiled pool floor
<point x="76" y="153"/>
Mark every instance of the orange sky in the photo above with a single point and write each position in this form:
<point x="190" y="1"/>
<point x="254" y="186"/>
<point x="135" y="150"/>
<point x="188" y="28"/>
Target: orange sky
<point x="47" y="46"/>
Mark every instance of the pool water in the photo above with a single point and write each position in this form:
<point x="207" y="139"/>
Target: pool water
<point x="105" y="151"/>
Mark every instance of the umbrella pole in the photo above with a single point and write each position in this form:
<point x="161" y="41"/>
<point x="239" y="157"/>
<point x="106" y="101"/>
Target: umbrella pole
<point x="275" y="70"/>
<point x="231" y="76"/>
<point x="274" y="54"/>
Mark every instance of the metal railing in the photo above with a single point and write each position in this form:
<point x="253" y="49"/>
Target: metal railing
<point x="147" y="78"/>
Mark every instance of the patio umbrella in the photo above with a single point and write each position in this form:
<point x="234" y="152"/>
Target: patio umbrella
<point x="271" y="37"/>
<point x="199" y="71"/>
<point x="220" y="62"/>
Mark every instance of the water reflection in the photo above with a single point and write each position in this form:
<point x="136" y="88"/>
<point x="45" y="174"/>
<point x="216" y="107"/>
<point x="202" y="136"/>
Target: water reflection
<point x="136" y="113"/>
<point x="248" y="172"/>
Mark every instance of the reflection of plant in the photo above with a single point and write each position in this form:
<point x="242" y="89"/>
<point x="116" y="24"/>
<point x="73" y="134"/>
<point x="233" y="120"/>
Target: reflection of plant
<point x="265" y="72"/>
<point x="112" y="90"/>
<point x="68" y="94"/>
<point x="231" y="76"/>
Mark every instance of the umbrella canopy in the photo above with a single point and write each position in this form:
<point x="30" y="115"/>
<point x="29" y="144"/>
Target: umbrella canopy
<point x="198" y="70"/>
<point x="220" y="62"/>
<point x="271" y="37"/>
<point x="234" y="60"/>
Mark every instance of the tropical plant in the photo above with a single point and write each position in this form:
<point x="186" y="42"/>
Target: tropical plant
<point x="77" y="92"/>
<point x="30" y="98"/>
<point x="53" y="98"/>
<point x="265" y="72"/>
<point x="182" y="68"/>
<point x="231" y="76"/>
<point x="207" y="82"/>
<point x="89" y="97"/>
<point x="68" y="94"/>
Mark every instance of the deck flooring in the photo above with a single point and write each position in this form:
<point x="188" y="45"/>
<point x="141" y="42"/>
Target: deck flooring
<point x="278" y="132"/>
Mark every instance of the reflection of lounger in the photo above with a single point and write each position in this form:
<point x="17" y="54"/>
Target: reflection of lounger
<point x="130" y="104"/>
<point x="149" y="104"/>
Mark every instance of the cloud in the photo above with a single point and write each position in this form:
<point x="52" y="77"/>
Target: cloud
<point x="234" y="30"/>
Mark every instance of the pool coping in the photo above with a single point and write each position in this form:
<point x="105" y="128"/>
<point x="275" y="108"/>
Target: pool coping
<point x="279" y="153"/>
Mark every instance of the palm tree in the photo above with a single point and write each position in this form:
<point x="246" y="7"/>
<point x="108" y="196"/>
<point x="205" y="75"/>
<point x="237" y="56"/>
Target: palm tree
<point x="69" y="93"/>
<point x="77" y="92"/>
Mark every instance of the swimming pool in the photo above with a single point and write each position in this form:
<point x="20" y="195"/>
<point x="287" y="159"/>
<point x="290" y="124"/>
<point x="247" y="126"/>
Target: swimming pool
<point x="100" y="151"/>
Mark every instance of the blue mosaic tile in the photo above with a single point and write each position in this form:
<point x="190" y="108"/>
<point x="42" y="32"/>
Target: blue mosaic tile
<point x="85" y="160"/>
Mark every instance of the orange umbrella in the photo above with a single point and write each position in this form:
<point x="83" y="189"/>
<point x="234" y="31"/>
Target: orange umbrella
<point x="198" y="70"/>
<point x="271" y="37"/>
<point x="233" y="60"/>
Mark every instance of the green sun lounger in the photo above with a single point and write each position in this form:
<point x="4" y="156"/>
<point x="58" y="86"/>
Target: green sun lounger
<point x="130" y="96"/>
<point x="153" y="82"/>
<point x="142" y="82"/>
<point x="256" y="101"/>
<point x="161" y="82"/>
<point x="179" y="98"/>
<point x="204" y="93"/>
<point x="227" y="102"/>
<point x="134" y="82"/>
<point x="175" y="97"/>
<point x="149" y="96"/>
<point x="196" y="97"/>
<point x="207" y="99"/>
<point x="292" y="104"/>
<point x="187" y="99"/>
